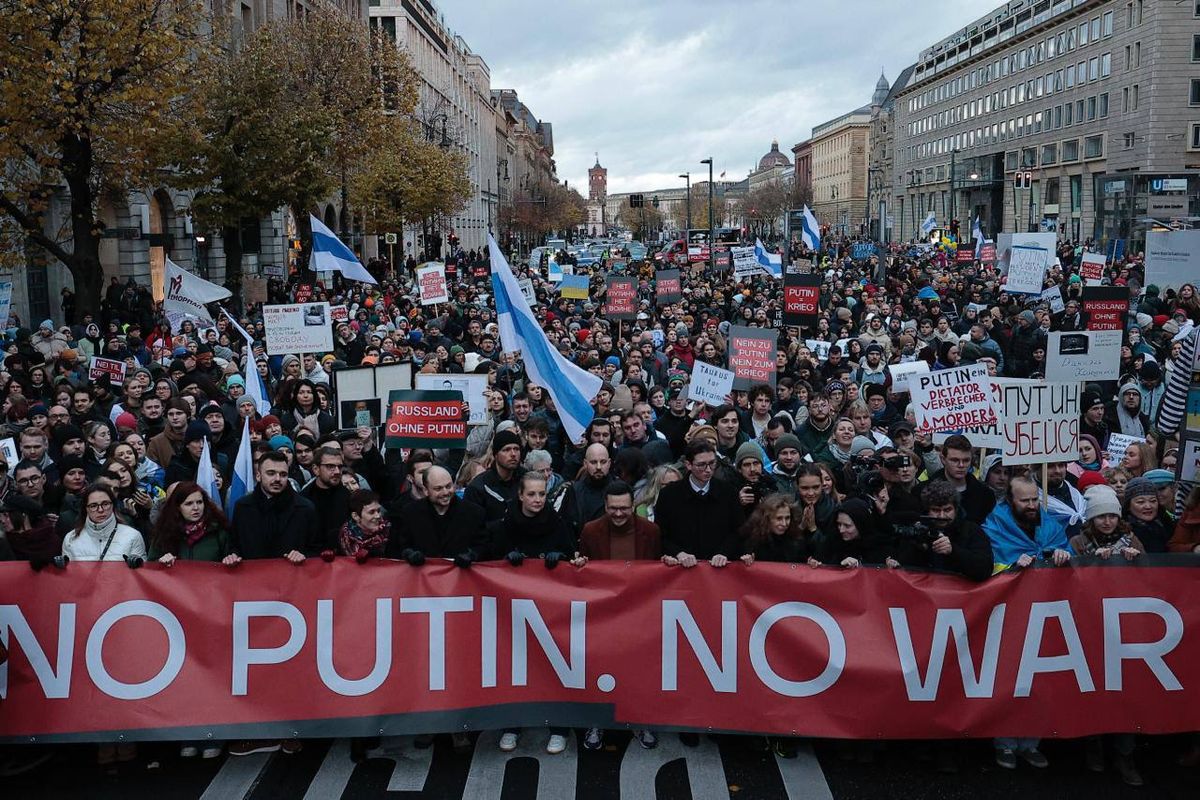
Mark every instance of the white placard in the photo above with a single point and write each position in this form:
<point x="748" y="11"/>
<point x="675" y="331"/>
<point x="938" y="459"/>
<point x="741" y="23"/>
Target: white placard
<point x="1026" y="269"/>
<point x="431" y="279"/>
<point x="298" y="328"/>
<point x="1083" y="356"/>
<point x="1189" y="461"/>
<point x="472" y="388"/>
<point x="1091" y="268"/>
<point x="989" y="436"/>
<point x="6" y="289"/>
<point x="11" y="455"/>
<point x="744" y="262"/>
<point x="1054" y="297"/>
<point x="526" y="285"/>
<point x="1040" y="422"/>
<point x="1118" y="443"/>
<point x="819" y="348"/>
<point x="901" y="373"/>
<point x="952" y="399"/>
<point x="1172" y="258"/>
<point x="710" y="384"/>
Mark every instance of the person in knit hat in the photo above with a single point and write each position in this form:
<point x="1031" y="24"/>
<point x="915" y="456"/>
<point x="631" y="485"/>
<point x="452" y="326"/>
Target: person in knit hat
<point x="496" y="487"/>
<point x="1148" y="519"/>
<point x="789" y="454"/>
<point x="1104" y="533"/>
<point x="753" y="484"/>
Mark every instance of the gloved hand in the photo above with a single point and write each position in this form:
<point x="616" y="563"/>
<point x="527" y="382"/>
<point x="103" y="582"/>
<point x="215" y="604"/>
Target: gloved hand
<point x="361" y="555"/>
<point x="328" y="556"/>
<point x="516" y="558"/>
<point x="61" y="561"/>
<point x="464" y="560"/>
<point x="552" y="558"/>
<point x="414" y="557"/>
<point x="134" y="562"/>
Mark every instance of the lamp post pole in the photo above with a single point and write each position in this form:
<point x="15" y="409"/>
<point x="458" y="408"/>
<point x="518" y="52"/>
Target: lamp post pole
<point x="712" y="239"/>
<point x="687" y="204"/>
<point x="953" y="190"/>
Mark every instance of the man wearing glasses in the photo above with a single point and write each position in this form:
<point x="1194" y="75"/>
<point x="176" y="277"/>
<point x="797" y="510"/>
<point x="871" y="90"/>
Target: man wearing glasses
<point x="699" y="517"/>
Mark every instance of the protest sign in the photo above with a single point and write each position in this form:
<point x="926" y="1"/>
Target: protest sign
<point x="987" y="253"/>
<point x="1192" y="409"/>
<point x="621" y="302"/>
<point x="667" y="287"/>
<point x="1040" y="422"/>
<point x="471" y="387"/>
<point x="6" y="289"/>
<point x="744" y="262"/>
<point x="362" y="390"/>
<point x="1091" y="268"/>
<point x="1027" y="269"/>
<point x="1054" y="298"/>
<point x="1172" y="258"/>
<point x="952" y="399"/>
<point x="12" y="456"/>
<point x="554" y="272"/>
<point x="112" y="367"/>
<point x="861" y="251"/>
<point x="304" y="292"/>
<point x="527" y="291"/>
<point x="1118" y="443"/>
<point x="339" y="649"/>
<point x="298" y="328"/>
<point x="902" y="372"/>
<point x="1105" y="307"/>
<point x="801" y="299"/>
<point x="367" y="412"/>
<point x="709" y="384"/>
<point x="425" y="419"/>
<point x="338" y="314"/>
<point x="965" y="254"/>
<point x="819" y="349"/>
<point x="574" y="287"/>
<point x="1188" y="470"/>
<point x="431" y="279"/>
<point x="254" y="290"/>
<point x="1083" y="356"/>
<point x="722" y="261"/>
<point x="752" y="356"/>
<point x="274" y="270"/>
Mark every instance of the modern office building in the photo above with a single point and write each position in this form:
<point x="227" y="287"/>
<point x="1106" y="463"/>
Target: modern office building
<point x="1075" y="116"/>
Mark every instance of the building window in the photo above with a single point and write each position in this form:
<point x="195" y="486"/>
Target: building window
<point x="1068" y="114"/>
<point x="1137" y="91"/>
<point x="1070" y="150"/>
<point x="1196" y="47"/>
<point x="1095" y="28"/>
<point x="1049" y="154"/>
<point x="1194" y="136"/>
<point x="1010" y="161"/>
<point x="1071" y="76"/>
<point x="1093" y="146"/>
<point x="1028" y="157"/>
<point x="1093" y="69"/>
<point x="1127" y="141"/>
<point x="1137" y="54"/>
<point x="1083" y="34"/>
<point x="1105" y="65"/>
<point x="1103" y="105"/>
<point x="1091" y="109"/>
<point x="1108" y="23"/>
<point x="1125" y="100"/>
<point x="1079" y="110"/>
<point x="1076" y="192"/>
<point x="1058" y="116"/>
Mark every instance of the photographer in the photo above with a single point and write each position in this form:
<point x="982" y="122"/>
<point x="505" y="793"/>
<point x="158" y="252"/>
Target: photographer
<point x="904" y="508"/>
<point x="942" y="539"/>
<point x="753" y="485"/>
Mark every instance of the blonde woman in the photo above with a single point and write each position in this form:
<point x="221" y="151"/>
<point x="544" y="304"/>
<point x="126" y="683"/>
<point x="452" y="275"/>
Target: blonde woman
<point x="648" y="497"/>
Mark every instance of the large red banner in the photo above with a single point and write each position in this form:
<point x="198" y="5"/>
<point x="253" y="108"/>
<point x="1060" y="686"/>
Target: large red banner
<point x="334" y="649"/>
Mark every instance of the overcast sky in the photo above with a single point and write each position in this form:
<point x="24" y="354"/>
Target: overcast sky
<point x="656" y="86"/>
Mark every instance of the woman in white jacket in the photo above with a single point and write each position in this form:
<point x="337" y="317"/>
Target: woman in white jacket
<point x="100" y="537"/>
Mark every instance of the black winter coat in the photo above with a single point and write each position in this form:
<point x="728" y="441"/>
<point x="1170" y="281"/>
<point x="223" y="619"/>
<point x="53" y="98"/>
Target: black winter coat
<point x="460" y="530"/>
<point x="534" y="536"/>
<point x="271" y="527"/>
<point x="970" y="553"/>
<point x="701" y="525"/>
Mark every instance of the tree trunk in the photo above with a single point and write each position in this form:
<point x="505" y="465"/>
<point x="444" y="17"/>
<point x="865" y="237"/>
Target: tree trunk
<point x="84" y="262"/>
<point x="304" y="231"/>
<point x="231" y="237"/>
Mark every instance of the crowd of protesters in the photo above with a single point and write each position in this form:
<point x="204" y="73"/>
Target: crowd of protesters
<point x="825" y="469"/>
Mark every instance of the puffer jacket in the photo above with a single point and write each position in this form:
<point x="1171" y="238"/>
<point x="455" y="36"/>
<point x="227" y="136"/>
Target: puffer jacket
<point x="87" y="545"/>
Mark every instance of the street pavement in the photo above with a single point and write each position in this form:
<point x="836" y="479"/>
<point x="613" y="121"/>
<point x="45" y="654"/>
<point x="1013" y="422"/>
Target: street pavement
<point x="735" y="767"/>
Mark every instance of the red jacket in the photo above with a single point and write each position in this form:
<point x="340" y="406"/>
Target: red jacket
<point x="595" y="539"/>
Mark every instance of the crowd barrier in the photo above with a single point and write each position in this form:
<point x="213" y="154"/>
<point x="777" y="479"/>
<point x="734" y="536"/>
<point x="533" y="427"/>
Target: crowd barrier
<point x="269" y="649"/>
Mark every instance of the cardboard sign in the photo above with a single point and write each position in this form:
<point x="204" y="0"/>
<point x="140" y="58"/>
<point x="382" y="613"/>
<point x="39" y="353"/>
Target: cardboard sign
<point x="425" y="419"/>
<point x="952" y="399"/>
<point x="801" y="299"/>
<point x="1054" y="297"/>
<point x="745" y="264"/>
<point x="1172" y="257"/>
<point x="667" y="287"/>
<point x="11" y="455"/>
<point x="1027" y="269"/>
<point x="431" y="279"/>
<point x="902" y="373"/>
<point x="527" y="291"/>
<point x="1083" y="356"/>
<point x="254" y="290"/>
<point x="298" y="328"/>
<point x="113" y="368"/>
<point x="1106" y="307"/>
<point x="621" y="302"/>
<point x="338" y="314"/>
<point x="752" y="356"/>
<point x="574" y="287"/>
<point x="1041" y="422"/>
<point x="709" y="385"/>
<point x="471" y="387"/>
<point x="1091" y="268"/>
<point x="1118" y="443"/>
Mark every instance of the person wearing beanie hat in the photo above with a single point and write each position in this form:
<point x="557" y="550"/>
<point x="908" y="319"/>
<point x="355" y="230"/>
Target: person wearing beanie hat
<point x="1146" y="517"/>
<point x="497" y="486"/>
<point x="788" y="456"/>
<point x="1128" y="417"/>
<point x="753" y="483"/>
<point x="1027" y="336"/>
<point x="1089" y="478"/>
<point x="183" y="465"/>
<point x="125" y="422"/>
<point x="196" y="430"/>
<point x="995" y="474"/>
<point x="861" y="444"/>
<point x="281" y="442"/>
<point x="1105" y="534"/>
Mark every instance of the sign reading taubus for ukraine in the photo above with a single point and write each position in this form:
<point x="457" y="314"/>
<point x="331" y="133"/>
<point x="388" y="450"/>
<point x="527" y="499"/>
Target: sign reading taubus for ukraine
<point x="270" y="649"/>
<point x="432" y="419"/>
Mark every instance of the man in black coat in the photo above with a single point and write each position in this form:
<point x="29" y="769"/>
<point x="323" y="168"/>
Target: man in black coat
<point x="958" y="545"/>
<point x="273" y="521"/>
<point x="493" y="489"/>
<point x="329" y="497"/>
<point x="440" y="525"/>
<point x="699" y="517"/>
<point x="976" y="499"/>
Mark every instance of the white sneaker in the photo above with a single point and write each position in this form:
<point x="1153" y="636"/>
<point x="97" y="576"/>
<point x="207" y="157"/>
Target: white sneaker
<point x="556" y="744"/>
<point x="508" y="742"/>
<point x="189" y="751"/>
<point x="211" y="752"/>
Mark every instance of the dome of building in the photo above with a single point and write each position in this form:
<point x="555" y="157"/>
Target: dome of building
<point x="773" y="158"/>
<point x="882" y="88"/>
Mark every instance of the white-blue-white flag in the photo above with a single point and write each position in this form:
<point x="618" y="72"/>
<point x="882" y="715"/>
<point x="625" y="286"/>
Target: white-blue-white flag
<point x="328" y="253"/>
<point x="977" y="232"/>
<point x="771" y="263"/>
<point x="810" y="231"/>
<point x="929" y="224"/>
<point x="571" y="388"/>
<point x="242" y="483"/>
<point x="206" y="476"/>
<point x="254" y="382"/>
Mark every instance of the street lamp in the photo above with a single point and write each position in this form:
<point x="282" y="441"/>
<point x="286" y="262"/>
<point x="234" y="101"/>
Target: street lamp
<point x="688" y="201"/>
<point x="712" y="240"/>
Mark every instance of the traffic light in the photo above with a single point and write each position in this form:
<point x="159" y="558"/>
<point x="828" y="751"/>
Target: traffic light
<point x="655" y="201"/>
<point x="1023" y="180"/>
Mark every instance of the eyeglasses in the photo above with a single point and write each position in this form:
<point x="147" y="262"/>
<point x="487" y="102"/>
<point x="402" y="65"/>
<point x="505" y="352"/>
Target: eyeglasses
<point x="30" y="480"/>
<point x="101" y="506"/>
<point x="704" y="465"/>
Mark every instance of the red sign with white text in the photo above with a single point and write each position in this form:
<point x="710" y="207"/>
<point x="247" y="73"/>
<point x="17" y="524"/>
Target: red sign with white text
<point x="801" y="299"/>
<point x="268" y="649"/>
<point x="1106" y="307"/>
<point x="752" y="356"/>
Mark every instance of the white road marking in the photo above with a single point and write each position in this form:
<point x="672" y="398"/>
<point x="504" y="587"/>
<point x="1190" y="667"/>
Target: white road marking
<point x="640" y="767"/>
<point x="802" y="775"/>
<point x="556" y="774"/>
<point x="237" y="778"/>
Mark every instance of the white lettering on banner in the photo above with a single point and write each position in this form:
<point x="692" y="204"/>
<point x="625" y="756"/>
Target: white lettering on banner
<point x="1117" y="651"/>
<point x="677" y="616"/>
<point x="176" y="650"/>
<point x="55" y="682"/>
<point x="525" y="614"/>
<point x="437" y="608"/>
<point x="833" y="636"/>
<point x="245" y="656"/>
<point x="1033" y="663"/>
<point x="949" y="622"/>
<point x="487" y="642"/>
<point x="383" y="651"/>
<point x="1041" y="422"/>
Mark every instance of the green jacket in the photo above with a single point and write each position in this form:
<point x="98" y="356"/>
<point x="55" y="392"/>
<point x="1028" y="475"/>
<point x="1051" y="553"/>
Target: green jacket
<point x="213" y="546"/>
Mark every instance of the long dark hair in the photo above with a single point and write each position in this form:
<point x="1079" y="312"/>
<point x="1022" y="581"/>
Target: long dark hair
<point x="757" y="529"/>
<point x="168" y="531"/>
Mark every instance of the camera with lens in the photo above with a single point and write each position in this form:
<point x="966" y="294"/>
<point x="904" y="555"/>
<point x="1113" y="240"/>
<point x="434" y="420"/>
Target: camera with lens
<point x="896" y="461"/>
<point x="860" y="464"/>
<point x="923" y="531"/>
